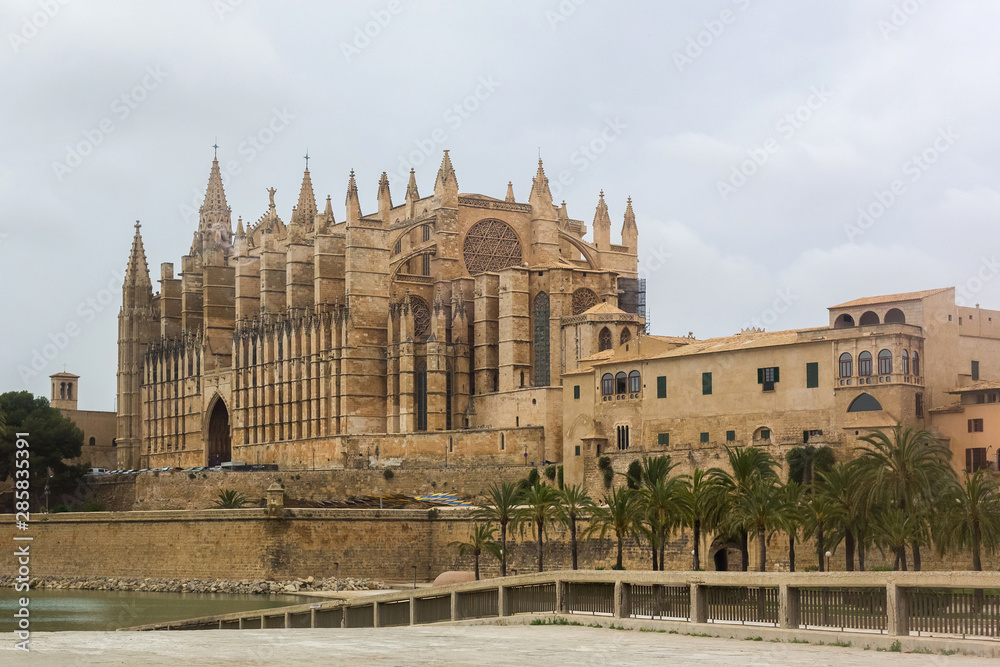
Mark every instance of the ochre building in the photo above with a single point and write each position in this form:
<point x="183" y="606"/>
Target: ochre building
<point x="431" y="330"/>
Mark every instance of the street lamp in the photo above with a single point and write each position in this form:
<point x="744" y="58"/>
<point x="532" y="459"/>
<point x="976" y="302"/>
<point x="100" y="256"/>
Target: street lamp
<point x="828" y="554"/>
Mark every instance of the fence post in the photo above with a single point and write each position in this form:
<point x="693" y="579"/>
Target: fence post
<point x="788" y="607"/>
<point x="375" y="614"/>
<point x="413" y="611"/>
<point x="454" y="606"/>
<point x="288" y="620"/>
<point x="898" y="611"/>
<point x="503" y="602"/>
<point x="699" y="603"/>
<point x="241" y="623"/>
<point x="560" y="597"/>
<point x="623" y="602"/>
<point x="312" y="618"/>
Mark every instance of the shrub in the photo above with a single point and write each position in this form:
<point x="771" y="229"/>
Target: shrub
<point x="559" y="476"/>
<point x="230" y="499"/>
<point x="191" y="475"/>
<point x="92" y="506"/>
<point x="634" y="475"/>
<point x="550" y="473"/>
<point x="388" y="474"/>
<point x="433" y="513"/>
<point x="604" y="463"/>
<point x="609" y="476"/>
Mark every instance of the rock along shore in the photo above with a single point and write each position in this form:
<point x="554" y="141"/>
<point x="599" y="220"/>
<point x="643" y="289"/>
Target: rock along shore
<point x="236" y="587"/>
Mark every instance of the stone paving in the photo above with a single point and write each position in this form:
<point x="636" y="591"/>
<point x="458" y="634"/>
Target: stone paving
<point x="441" y="645"/>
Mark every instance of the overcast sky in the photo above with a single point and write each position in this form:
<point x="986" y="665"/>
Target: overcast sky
<point x="748" y="133"/>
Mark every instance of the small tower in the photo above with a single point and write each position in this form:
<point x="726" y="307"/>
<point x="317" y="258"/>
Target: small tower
<point x="630" y="233"/>
<point x="602" y="226"/>
<point x="64" y="390"/>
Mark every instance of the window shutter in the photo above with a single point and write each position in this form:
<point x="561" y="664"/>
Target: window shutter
<point x="576" y="391"/>
<point x="776" y="378"/>
<point x="812" y="375"/>
<point x="661" y="386"/>
<point x="706" y="383"/>
<point x="760" y="376"/>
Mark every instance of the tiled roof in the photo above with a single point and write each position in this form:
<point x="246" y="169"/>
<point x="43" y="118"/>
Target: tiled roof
<point x="740" y="341"/>
<point x="889" y="298"/>
<point x="977" y="386"/>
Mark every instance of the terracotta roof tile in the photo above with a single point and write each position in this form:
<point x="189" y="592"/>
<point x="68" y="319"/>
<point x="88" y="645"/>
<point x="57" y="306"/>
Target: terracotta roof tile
<point x="889" y="298"/>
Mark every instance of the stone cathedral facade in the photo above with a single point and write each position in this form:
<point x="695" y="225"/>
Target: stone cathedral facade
<point x="429" y="331"/>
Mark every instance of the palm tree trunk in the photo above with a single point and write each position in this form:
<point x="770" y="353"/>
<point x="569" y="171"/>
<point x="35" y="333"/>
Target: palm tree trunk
<point x="819" y="546"/>
<point x="503" y="548"/>
<point x="477" y="565"/>
<point x="861" y="555"/>
<point x="540" y="545"/>
<point x="849" y="548"/>
<point x="744" y="550"/>
<point x="916" y="557"/>
<point x="663" y="544"/>
<point x="791" y="552"/>
<point x="696" y="565"/>
<point x="652" y="547"/>
<point x="572" y="537"/>
<point x="619" y="561"/>
<point x="977" y="560"/>
<point x="762" y="546"/>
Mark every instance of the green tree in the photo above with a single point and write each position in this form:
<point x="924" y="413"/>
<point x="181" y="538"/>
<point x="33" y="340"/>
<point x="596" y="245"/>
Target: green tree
<point x="970" y="517"/>
<point x="231" y="500"/>
<point x="806" y="462"/>
<point x="759" y="509"/>
<point x="621" y="513"/>
<point x="904" y="468"/>
<point x="52" y="439"/>
<point x="840" y="484"/>
<point x="701" y="506"/>
<point x="894" y="529"/>
<point x="503" y="499"/>
<point x="662" y="498"/>
<point x="574" y="502"/>
<point x="744" y="462"/>
<point x="820" y="513"/>
<point x="481" y="539"/>
<point x="633" y="477"/>
<point x="539" y="508"/>
<point x="791" y="516"/>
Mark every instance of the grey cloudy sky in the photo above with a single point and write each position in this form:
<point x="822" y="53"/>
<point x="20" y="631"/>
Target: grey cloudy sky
<point x="749" y="134"/>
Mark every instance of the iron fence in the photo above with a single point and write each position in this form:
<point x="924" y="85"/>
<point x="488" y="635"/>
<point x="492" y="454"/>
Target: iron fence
<point x="478" y="604"/>
<point x="361" y="617"/>
<point x="843" y="608"/>
<point x="433" y="609"/>
<point x="394" y="613"/>
<point x="743" y="604"/>
<point x="586" y="598"/>
<point x="974" y="613"/>
<point x="532" y="599"/>
<point x="661" y="602"/>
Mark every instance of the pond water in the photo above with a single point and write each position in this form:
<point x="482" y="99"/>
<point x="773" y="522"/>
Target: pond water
<point x="56" y="610"/>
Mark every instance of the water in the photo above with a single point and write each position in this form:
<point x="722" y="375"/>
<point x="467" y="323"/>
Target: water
<point x="56" y="610"/>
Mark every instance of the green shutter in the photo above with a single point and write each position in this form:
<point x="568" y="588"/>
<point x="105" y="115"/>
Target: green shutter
<point x="812" y="375"/>
<point x="576" y="391"/>
<point x="730" y="436"/>
<point x="663" y="439"/>
<point x="704" y="437"/>
<point x="706" y="383"/>
<point x="760" y="376"/>
<point x="661" y="386"/>
<point x="776" y="378"/>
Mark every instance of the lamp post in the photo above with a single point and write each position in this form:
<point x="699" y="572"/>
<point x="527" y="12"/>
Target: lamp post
<point x="828" y="554"/>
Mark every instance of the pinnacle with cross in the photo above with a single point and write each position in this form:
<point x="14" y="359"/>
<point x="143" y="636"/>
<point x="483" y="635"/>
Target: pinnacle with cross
<point x="215" y="147"/>
<point x="307" y="158"/>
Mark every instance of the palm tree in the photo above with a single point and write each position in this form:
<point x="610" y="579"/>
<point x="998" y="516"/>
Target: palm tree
<point x="230" y="499"/>
<point x="759" y="509"/>
<point x="840" y="484"/>
<point x="540" y="505"/>
<point x="701" y="501"/>
<point x="905" y="467"/>
<point x="503" y="499"/>
<point x="620" y="513"/>
<point x="820" y="513"/>
<point x="663" y="502"/>
<point x="574" y="501"/>
<point x="480" y="540"/>
<point x="893" y="530"/>
<point x="791" y="516"/>
<point x="745" y="462"/>
<point x="971" y="516"/>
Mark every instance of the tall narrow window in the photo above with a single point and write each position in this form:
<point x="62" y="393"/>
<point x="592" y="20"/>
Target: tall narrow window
<point x="812" y="375"/>
<point x="706" y="383"/>
<point x="626" y="336"/>
<point x="425" y="264"/>
<point x="634" y="382"/>
<point x="975" y="370"/>
<point x="918" y="406"/>
<point x="447" y="401"/>
<point x="427" y="232"/>
<point x="542" y="360"/>
<point x="622" y="431"/>
<point x="884" y="362"/>
<point x="621" y="382"/>
<point x="604" y="339"/>
<point x="421" y="395"/>
<point x="661" y="386"/>
<point x="607" y="384"/>
<point x="846" y="365"/>
<point x="865" y="363"/>
<point x="904" y="363"/>
<point x="916" y="363"/>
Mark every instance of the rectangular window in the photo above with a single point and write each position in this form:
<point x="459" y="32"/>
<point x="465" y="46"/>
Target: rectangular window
<point x="919" y="405"/>
<point x="975" y="370"/>
<point x="975" y="426"/>
<point x="704" y="437"/>
<point x="812" y="375"/>
<point x="622" y="437"/>
<point x="980" y="398"/>
<point x="730" y="436"/>
<point x="425" y="264"/>
<point x="663" y="439"/>
<point x="576" y="391"/>
<point x="706" y="384"/>
<point x="661" y="386"/>
<point x="812" y="433"/>
<point x="765" y="434"/>
<point x="767" y="377"/>
<point x="578" y="450"/>
<point x="975" y="458"/>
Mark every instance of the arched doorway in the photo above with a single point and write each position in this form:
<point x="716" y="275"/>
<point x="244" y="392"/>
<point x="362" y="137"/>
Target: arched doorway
<point x="219" y="443"/>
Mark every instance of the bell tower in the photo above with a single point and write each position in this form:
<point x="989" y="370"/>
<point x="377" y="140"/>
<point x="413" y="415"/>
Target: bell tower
<point x="64" y="390"/>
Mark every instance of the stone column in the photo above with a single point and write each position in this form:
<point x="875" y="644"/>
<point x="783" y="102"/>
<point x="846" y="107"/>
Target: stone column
<point x="503" y="603"/>
<point x="788" y="607"/>
<point x="897" y="610"/>
<point x="623" y="602"/>
<point x="699" y="603"/>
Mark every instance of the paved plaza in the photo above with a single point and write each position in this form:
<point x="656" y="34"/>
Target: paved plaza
<point x="442" y="645"/>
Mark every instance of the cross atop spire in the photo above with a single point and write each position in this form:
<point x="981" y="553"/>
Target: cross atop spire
<point x="215" y="148"/>
<point x="307" y="159"/>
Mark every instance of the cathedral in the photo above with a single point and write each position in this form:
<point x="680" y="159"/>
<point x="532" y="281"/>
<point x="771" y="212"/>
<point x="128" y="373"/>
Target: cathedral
<point x="429" y="332"/>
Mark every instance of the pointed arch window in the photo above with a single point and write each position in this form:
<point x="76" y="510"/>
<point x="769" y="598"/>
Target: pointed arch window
<point x="626" y="336"/>
<point x="604" y="339"/>
<point x="865" y="364"/>
<point x="542" y="357"/>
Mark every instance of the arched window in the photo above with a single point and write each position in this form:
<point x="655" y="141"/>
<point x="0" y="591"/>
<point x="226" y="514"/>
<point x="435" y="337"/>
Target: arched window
<point x="62" y="390"/>
<point x="69" y="391"/>
<point x="542" y="360"/>
<point x="621" y="382"/>
<point x="905" y="362"/>
<point x="916" y="363"/>
<point x="421" y="395"/>
<point x="634" y="382"/>
<point x="607" y="384"/>
<point x="622" y="432"/>
<point x="427" y="232"/>
<point x="625" y="337"/>
<point x="884" y="362"/>
<point x="894" y="316"/>
<point x="93" y="441"/>
<point x="846" y="365"/>
<point x="604" y="339"/>
<point x="864" y="403"/>
<point x="843" y="322"/>
<point x="868" y="318"/>
<point x="865" y="363"/>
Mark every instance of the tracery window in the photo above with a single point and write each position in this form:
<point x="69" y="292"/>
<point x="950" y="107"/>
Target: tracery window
<point x="605" y="339"/>
<point x="491" y="245"/>
<point x="626" y="336"/>
<point x="421" y="318"/>
<point x="583" y="299"/>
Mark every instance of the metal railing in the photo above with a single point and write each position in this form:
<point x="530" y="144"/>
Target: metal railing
<point x="896" y="604"/>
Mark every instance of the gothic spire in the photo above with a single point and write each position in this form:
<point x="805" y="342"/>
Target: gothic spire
<point x="510" y="191"/>
<point x="630" y="233"/>
<point x="305" y="212"/>
<point x="602" y="225"/>
<point x="446" y="185"/>
<point x="215" y="195"/>
<point x="541" y="197"/>
<point x="411" y="188"/>
<point x="137" y="271"/>
<point x="353" y="203"/>
<point x="239" y="227"/>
